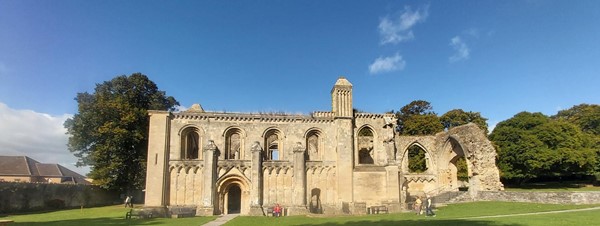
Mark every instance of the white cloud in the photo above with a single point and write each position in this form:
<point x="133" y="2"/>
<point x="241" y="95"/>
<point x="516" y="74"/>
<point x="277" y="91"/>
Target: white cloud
<point x="387" y="64"/>
<point x="461" y="49"/>
<point x="37" y="135"/>
<point x="398" y="29"/>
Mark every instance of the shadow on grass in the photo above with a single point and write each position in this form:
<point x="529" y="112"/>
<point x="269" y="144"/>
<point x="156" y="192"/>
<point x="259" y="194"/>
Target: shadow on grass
<point x="549" y="185"/>
<point x="93" y="221"/>
<point x="431" y="222"/>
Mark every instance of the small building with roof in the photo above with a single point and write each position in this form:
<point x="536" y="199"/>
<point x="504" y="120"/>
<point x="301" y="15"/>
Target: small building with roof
<point x="25" y="169"/>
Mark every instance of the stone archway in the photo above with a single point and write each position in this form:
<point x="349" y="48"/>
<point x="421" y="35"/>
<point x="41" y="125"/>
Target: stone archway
<point x="479" y="153"/>
<point x="233" y="195"/>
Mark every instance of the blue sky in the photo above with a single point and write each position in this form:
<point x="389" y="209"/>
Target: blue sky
<point x="494" y="57"/>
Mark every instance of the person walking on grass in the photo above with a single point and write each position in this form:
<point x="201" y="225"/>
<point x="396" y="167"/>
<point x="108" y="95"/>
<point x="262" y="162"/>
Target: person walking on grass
<point x="429" y="207"/>
<point x="128" y="201"/>
<point x="417" y="205"/>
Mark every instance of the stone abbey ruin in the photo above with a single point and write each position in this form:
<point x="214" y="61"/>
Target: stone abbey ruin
<point x="332" y="162"/>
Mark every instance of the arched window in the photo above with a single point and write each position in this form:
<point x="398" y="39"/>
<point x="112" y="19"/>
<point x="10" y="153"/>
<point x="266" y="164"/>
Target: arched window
<point x="313" y="146"/>
<point x="233" y="145"/>
<point x="190" y="143"/>
<point x="273" y="145"/>
<point x="365" y="146"/>
<point x="417" y="161"/>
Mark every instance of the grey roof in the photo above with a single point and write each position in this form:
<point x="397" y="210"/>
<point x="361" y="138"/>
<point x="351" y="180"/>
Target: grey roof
<point x="25" y="166"/>
<point x="18" y="166"/>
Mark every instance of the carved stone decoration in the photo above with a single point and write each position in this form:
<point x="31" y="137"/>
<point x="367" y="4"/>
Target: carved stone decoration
<point x="211" y="146"/>
<point x="256" y="147"/>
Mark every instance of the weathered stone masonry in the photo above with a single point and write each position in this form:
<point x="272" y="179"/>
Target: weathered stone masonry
<point x="327" y="162"/>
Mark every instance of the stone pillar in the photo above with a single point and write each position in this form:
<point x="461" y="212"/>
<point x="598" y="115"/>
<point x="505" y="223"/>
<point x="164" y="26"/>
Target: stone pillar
<point x="257" y="181"/>
<point x="341" y="103"/>
<point x="299" y="181"/>
<point x="210" y="177"/>
<point x="393" y="188"/>
<point x="157" y="174"/>
<point x="345" y="163"/>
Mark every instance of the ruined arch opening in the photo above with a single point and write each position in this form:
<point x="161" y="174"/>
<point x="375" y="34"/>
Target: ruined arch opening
<point x="190" y="143"/>
<point x="233" y="144"/>
<point x="365" y="146"/>
<point x="458" y="165"/>
<point x="417" y="159"/>
<point x="313" y="146"/>
<point x="273" y="145"/>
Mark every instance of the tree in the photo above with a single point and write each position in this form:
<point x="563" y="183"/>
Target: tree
<point x="418" y="118"/>
<point x="531" y="145"/>
<point x="110" y="130"/>
<point x="586" y="116"/>
<point x="459" y="117"/>
<point x="417" y="162"/>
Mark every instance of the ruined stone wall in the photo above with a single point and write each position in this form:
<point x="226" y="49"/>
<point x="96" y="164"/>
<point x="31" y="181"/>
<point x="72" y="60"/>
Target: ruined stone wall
<point x="253" y="127"/>
<point x="480" y="155"/>
<point x="541" y="197"/>
<point x="376" y="123"/>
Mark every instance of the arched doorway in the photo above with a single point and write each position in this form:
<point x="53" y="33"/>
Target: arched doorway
<point x="234" y="199"/>
<point x="233" y="192"/>
<point x="458" y="165"/>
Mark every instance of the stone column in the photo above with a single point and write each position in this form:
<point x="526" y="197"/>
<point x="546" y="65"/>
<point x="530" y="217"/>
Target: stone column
<point x="157" y="174"/>
<point x="393" y="188"/>
<point x="210" y="177"/>
<point x="257" y="181"/>
<point x="345" y="163"/>
<point x="299" y="181"/>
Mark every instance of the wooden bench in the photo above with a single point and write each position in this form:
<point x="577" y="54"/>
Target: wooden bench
<point x="5" y="222"/>
<point x="377" y="210"/>
<point x="180" y="212"/>
<point x="139" y="213"/>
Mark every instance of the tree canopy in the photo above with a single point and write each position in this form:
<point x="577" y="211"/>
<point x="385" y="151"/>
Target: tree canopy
<point x="586" y="116"/>
<point x="459" y="117"/>
<point x="532" y="145"/>
<point x="418" y="118"/>
<point x="110" y="130"/>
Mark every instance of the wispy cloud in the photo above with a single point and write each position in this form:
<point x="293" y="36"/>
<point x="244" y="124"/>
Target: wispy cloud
<point x="395" y="29"/>
<point x="461" y="50"/>
<point x="37" y="135"/>
<point x="387" y="64"/>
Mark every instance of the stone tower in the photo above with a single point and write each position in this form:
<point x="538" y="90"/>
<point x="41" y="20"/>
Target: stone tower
<point x="341" y="98"/>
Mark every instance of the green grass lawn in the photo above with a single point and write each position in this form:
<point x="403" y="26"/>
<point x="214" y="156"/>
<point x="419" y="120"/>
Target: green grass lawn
<point x="108" y="215"/>
<point x="454" y="214"/>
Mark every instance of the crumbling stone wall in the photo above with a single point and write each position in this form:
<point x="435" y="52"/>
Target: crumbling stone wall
<point x="479" y="152"/>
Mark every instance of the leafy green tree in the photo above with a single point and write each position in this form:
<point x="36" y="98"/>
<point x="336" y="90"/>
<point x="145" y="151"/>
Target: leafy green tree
<point x="418" y="118"/>
<point x="417" y="163"/>
<point x="110" y="130"/>
<point x="531" y="145"/>
<point x="586" y="116"/>
<point x="459" y="117"/>
<point x="462" y="170"/>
